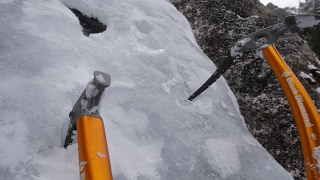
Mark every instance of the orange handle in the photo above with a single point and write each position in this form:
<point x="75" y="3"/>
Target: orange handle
<point x="93" y="149"/>
<point x="303" y="109"/>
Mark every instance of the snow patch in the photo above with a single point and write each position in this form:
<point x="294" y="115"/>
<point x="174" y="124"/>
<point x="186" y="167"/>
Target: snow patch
<point x="100" y="78"/>
<point x="311" y="66"/>
<point x="259" y="52"/>
<point x="84" y="103"/>
<point x="307" y="76"/>
<point x="316" y="156"/>
<point x="235" y="49"/>
<point x="91" y="90"/>
<point x="313" y="136"/>
<point x="93" y="110"/>
<point x="101" y="155"/>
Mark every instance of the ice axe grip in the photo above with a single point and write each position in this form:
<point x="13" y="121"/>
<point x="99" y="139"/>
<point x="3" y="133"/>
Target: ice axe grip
<point x="304" y="111"/>
<point x="94" y="161"/>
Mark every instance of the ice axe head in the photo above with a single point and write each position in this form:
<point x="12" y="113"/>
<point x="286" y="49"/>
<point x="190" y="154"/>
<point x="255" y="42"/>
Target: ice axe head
<point x="252" y="43"/>
<point x="272" y="33"/>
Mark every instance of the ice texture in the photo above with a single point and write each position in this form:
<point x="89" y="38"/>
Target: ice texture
<point x="155" y="63"/>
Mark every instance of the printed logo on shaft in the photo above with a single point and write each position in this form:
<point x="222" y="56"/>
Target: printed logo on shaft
<point x="298" y="99"/>
<point x="286" y="74"/>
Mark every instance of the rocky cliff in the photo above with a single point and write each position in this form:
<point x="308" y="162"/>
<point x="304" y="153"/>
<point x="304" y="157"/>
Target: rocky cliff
<point x="217" y="24"/>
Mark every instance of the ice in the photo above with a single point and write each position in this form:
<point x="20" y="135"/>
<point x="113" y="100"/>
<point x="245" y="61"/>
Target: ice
<point x="100" y="78"/>
<point x="313" y="136"/>
<point x="155" y="64"/>
<point x="223" y="104"/>
<point x="91" y="90"/>
<point x="84" y="103"/>
<point x="93" y="110"/>
<point x="220" y="151"/>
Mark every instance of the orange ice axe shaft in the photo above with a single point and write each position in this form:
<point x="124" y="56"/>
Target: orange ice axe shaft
<point x="304" y="111"/>
<point x="94" y="160"/>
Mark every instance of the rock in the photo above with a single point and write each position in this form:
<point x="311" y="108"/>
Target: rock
<point x="217" y="24"/>
<point x="279" y="12"/>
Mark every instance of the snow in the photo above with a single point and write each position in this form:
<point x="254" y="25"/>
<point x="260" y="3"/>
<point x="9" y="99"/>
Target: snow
<point x="259" y="52"/>
<point x="101" y="155"/>
<point x="155" y="64"/>
<point x="311" y="66"/>
<point x="94" y="109"/>
<point x="307" y="76"/>
<point x="100" y="78"/>
<point x="316" y="155"/>
<point x="235" y="49"/>
<point x="313" y="136"/>
<point x="91" y="90"/>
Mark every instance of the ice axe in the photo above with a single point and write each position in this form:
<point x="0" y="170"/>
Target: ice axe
<point x="249" y="43"/>
<point x="94" y="161"/>
<point x="303" y="109"/>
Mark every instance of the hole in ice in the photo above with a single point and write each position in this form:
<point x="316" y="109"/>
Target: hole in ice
<point x="90" y="25"/>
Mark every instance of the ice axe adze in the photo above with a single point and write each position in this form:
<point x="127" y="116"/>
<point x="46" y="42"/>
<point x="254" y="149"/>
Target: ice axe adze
<point x="304" y="111"/>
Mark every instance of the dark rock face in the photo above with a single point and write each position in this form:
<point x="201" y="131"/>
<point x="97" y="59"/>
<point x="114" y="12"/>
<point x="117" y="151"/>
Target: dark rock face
<point x="279" y="12"/>
<point x="217" y="24"/>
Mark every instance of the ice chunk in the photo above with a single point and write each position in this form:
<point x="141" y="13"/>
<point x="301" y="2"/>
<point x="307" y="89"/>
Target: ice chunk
<point x="91" y="90"/>
<point x="100" y="78"/>
<point x="101" y="155"/>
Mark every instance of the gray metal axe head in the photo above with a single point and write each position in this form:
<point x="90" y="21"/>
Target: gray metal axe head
<point x="272" y="33"/>
<point x="251" y="43"/>
<point x="85" y="105"/>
